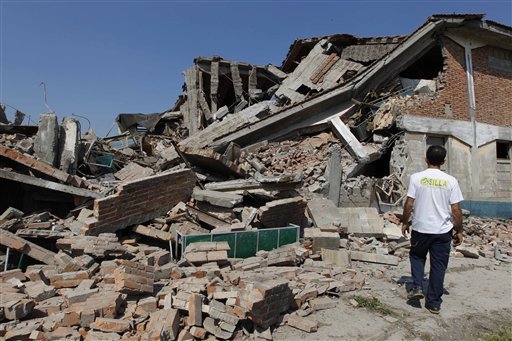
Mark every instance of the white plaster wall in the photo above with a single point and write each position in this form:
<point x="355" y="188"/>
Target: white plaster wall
<point x="459" y="154"/>
<point x="487" y="172"/>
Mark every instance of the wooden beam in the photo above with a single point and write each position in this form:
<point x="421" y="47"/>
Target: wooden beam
<point x="54" y="186"/>
<point x="32" y="250"/>
<point x="207" y="218"/>
<point x="36" y="165"/>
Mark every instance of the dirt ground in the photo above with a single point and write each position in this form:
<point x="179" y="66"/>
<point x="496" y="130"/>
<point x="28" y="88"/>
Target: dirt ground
<point x="477" y="300"/>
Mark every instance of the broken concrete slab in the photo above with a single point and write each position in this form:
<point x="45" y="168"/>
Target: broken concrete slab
<point x="323" y="212"/>
<point x="362" y="221"/>
<point x="221" y="199"/>
<point x="340" y="258"/>
<point x="302" y="323"/>
<point x="374" y="258"/>
<point x="363" y="154"/>
<point x="468" y="252"/>
<point x="211" y="161"/>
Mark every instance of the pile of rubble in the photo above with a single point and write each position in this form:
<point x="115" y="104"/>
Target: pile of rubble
<point x="233" y="212"/>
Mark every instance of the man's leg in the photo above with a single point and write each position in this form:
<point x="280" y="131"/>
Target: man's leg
<point x="439" y="256"/>
<point x="420" y="243"/>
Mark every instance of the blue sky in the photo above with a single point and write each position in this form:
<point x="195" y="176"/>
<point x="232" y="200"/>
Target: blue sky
<point x="102" y="58"/>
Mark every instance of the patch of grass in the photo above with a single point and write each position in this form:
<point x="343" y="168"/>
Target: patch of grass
<point x="373" y="304"/>
<point x="502" y="334"/>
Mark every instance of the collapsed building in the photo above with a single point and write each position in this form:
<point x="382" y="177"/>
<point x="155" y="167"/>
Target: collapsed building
<point x="187" y="212"/>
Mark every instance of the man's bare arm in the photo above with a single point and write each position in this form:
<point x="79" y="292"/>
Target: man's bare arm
<point x="408" y="206"/>
<point x="457" y="224"/>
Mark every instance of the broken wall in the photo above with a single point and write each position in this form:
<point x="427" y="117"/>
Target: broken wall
<point x="357" y="192"/>
<point x="451" y="99"/>
<point x="492" y="77"/>
<point x="139" y="201"/>
<point x="494" y="175"/>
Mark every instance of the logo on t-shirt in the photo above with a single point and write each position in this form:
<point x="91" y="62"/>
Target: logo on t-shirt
<point x="432" y="182"/>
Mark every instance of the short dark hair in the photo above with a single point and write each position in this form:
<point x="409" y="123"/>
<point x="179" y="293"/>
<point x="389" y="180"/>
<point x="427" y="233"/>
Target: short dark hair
<point x="436" y="155"/>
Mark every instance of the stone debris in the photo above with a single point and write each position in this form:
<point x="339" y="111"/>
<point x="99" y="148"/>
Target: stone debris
<point x="240" y="208"/>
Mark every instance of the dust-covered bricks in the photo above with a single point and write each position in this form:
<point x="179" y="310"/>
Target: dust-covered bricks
<point x="264" y="300"/>
<point x="133" y="278"/>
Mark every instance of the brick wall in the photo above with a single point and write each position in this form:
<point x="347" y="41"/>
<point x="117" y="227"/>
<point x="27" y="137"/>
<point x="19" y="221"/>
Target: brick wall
<point x="140" y="200"/>
<point x="280" y="213"/>
<point x="493" y="90"/>
<point x="451" y="100"/>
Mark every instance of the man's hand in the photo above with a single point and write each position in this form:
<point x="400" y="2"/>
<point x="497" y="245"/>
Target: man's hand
<point x="457" y="224"/>
<point x="457" y="238"/>
<point x="406" y="225"/>
<point x="406" y="228"/>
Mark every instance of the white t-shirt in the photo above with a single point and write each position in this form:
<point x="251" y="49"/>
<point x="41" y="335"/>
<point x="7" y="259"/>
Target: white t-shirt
<point x="433" y="192"/>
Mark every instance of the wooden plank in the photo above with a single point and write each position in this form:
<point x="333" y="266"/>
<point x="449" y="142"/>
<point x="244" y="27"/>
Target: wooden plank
<point x="54" y="186"/>
<point x="35" y="164"/>
<point x="153" y="233"/>
<point x="32" y="250"/>
<point x="374" y="258"/>
<point x="208" y="219"/>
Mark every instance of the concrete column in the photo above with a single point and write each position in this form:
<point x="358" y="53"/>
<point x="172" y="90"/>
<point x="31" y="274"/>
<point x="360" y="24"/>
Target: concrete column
<point x="335" y="173"/>
<point x="69" y="145"/>
<point x="46" y="145"/>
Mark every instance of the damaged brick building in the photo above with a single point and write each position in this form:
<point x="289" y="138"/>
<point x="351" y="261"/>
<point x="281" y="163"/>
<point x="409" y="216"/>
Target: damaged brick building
<point x="243" y="206"/>
<point x="447" y="83"/>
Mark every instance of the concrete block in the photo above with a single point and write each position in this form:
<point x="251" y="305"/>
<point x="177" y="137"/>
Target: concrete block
<point x="46" y="144"/>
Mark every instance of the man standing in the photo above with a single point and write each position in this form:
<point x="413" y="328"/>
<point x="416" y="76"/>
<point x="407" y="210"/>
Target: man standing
<point x="435" y="197"/>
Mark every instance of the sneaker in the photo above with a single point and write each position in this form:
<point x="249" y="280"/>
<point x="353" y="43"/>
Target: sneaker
<point x="433" y="310"/>
<point x="415" y="294"/>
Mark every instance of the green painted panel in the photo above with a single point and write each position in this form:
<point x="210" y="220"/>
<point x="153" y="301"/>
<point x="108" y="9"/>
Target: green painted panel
<point x="268" y="240"/>
<point x="246" y="244"/>
<point x="195" y="239"/>
<point x="230" y="238"/>
<point x="287" y="236"/>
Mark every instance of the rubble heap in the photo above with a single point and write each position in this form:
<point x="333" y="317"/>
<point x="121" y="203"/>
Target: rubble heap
<point x="239" y="209"/>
